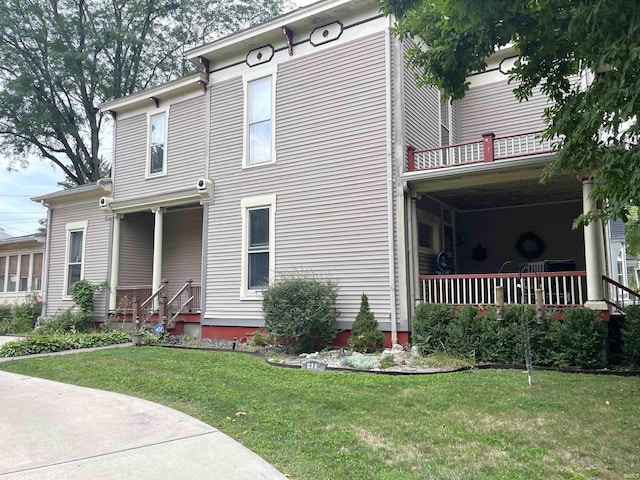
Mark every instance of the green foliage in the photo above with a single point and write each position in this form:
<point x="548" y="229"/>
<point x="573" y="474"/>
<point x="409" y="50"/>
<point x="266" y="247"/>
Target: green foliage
<point x="632" y="232"/>
<point x="66" y="321"/>
<point x="360" y="362"/>
<point x="20" y="318"/>
<point x="631" y="335"/>
<point x="59" y="65"/>
<point x="259" y="339"/>
<point x="300" y="311"/>
<point x="429" y="326"/>
<point x="579" y="340"/>
<point x="365" y="334"/>
<point x="555" y="41"/>
<point x="82" y="292"/>
<point x="61" y="341"/>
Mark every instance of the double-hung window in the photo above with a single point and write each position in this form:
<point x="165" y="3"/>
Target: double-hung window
<point x="259" y="144"/>
<point x="157" y="154"/>
<point x="258" y="239"/>
<point x="74" y="269"/>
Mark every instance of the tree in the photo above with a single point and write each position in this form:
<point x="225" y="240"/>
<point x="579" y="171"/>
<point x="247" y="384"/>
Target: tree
<point x="60" y="59"/>
<point x="365" y="334"/>
<point x="632" y="232"/>
<point x="560" y="45"/>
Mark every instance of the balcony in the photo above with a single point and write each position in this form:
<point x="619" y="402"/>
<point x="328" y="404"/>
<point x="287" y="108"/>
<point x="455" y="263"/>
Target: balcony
<point x="559" y="289"/>
<point x="489" y="149"/>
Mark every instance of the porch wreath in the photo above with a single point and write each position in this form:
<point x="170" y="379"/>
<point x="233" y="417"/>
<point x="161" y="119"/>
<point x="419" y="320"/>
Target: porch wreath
<point x="530" y="245"/>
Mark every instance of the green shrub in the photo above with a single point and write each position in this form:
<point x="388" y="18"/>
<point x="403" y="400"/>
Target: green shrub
<point x="65" y="321"/>
<point x="631" y="334"/>
<point x="22" y="317"/>
<point x="82" y="292"/>
<point x="300" y="311"/>
<point x="465" y="333"/>
<point x="6" y="313"/>
<point x="61" y="341"/>
<point x="259" y="339"/>
<point x="360" y="361"/>
<point x="365" y="334"/>
<point x="429" y="326"/>
<point x="580" y="339"/>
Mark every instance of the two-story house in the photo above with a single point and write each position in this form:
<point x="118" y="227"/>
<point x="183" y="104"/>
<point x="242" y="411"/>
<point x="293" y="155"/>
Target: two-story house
<point x="305" y="146"/>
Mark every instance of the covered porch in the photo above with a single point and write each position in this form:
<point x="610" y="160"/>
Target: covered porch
<point x="157" y="263"/>
<point x="487" y="222"/>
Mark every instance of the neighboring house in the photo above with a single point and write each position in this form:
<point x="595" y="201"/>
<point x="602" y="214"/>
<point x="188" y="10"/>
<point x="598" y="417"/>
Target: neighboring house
<point x="289" y="152"/>
<point x="20" y="267"/>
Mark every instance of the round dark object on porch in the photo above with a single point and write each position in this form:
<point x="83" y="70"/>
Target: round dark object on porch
<point x="530" y="245"/>
<point x="444" y="262"/>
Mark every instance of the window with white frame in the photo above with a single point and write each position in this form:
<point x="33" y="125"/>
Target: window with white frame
<point x="76" y="233"/>
<point x="258" y="243"/>
<point x="13" y="274"/>
<point x="259" y="145"/>
<point x="3" y="273"/>
<point x="157" y="153"/>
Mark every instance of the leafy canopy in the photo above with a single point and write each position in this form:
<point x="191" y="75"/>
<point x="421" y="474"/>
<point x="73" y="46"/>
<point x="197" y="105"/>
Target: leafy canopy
<point x="560" y="44"/>
<point x="60" y="59"/>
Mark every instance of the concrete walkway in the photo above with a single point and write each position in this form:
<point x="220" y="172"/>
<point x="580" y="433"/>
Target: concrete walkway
<point x="51" y="430"/>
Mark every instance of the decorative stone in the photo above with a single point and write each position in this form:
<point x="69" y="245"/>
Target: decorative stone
<point x="397" y="348"/>
<point x="416" y="351"/>
<point x="315" y="365"/>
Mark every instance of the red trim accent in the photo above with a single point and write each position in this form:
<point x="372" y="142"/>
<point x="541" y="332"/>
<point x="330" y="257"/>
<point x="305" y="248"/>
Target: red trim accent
<point x="487" y="140"/>
<point x="579" y="273"/>
<point x="411" y="162"/>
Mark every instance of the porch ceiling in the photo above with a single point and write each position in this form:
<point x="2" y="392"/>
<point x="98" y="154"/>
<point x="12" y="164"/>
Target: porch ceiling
<point x="514" y="192"/>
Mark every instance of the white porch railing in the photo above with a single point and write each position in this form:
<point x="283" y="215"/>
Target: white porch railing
<point x="560" y="289"/>
<point x="488" y="149"/>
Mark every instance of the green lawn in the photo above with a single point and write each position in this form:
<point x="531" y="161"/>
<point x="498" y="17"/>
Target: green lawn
<point x="330" y="425"/>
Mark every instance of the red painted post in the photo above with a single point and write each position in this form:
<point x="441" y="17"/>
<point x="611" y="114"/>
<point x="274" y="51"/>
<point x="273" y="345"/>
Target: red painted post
<point x="487" y="140"/>
<point x="411" y="165"/>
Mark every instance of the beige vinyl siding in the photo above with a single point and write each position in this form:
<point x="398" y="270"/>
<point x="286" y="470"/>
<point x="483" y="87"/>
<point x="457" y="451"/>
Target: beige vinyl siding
<point x="329" y="178"/>
<point x="422" y="106"/>
<point x="130" y="159"/>
<point x="494" y="108"/>
<point x="136" y="249"/>
<point x="184" y="152"/>
<point x="95" y="261"/>
<point x="182" y="247"/>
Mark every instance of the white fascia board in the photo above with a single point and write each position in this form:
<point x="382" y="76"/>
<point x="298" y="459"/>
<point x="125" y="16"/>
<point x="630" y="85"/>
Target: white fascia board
<point x="309" y="13"/>
<point x="161" y="92"/>
<point x="170" y="199"/>
<point x="532" y="161"/>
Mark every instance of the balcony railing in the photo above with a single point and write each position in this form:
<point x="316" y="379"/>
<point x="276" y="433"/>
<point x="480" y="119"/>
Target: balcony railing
<point x="488" y="149"/>
<point x="560" y="289"/>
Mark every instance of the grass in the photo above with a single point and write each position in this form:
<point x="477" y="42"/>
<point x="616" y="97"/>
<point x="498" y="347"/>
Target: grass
<point x="475" y="424"/>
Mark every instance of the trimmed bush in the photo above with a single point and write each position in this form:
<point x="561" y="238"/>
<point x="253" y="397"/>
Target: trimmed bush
<point x="300" y="311"/>
<point x="60" y="342"/>
<point x="429" y="326"/>
<point x="365" y="335"/>
<point x="631" y="335"/>
<point x="579" y="340"/>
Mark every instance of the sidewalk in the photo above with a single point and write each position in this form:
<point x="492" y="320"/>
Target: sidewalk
<point x="52" y="430"/>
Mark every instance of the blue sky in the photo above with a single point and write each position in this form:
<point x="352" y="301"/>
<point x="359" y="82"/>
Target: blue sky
<point x="18" y="214"/>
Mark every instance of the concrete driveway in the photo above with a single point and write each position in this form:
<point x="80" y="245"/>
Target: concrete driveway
<point x="51" y="430"/>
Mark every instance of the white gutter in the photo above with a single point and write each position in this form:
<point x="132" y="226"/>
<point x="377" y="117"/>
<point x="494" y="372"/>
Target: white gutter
<point x="390" y="210"/>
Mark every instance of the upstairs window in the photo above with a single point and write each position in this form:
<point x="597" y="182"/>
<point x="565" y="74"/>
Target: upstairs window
<point x="157" y="143"/>
<point x="24" y="272"/>
<point x="259" y="141"/>
<point x="3" y="273"/>
<point x="13" y="273"/>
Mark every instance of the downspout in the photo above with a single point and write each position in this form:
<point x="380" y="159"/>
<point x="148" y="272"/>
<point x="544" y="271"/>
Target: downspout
<point x="45" y="261"/>
<point x="390" y="209"/>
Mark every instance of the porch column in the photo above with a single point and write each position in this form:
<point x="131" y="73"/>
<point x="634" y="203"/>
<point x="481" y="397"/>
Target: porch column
<point x="157" y="248"/>
<point x="593" y="251"/>
<point x="115" y="263"/>
<point x="415" y="255"/>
